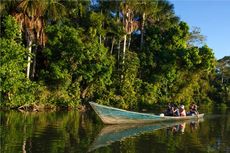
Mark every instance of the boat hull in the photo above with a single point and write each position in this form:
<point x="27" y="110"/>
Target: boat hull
<point x="110" y="115"/>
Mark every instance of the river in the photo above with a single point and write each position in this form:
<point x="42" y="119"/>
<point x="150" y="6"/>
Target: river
<point x="75" y="132"/>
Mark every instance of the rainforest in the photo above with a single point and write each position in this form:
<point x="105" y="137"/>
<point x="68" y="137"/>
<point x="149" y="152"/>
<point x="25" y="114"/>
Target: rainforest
<point x="130" y="54"/>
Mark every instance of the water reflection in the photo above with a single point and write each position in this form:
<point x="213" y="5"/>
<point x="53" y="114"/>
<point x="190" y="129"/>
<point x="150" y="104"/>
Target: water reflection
<point x="112" y="133"/>
<point x="39" y="132"/>
<point x="74" y="132"/>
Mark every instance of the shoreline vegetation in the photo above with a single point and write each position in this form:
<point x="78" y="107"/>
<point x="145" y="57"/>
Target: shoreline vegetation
<point x="133" y="54"/>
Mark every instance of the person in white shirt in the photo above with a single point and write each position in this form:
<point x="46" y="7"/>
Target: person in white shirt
<point x="182" y="111"/>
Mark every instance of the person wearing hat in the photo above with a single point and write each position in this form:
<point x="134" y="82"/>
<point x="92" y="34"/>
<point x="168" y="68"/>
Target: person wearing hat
<point x="182" y="111"/>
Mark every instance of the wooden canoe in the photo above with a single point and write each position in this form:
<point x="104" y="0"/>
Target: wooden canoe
<point x="111" y="115"/>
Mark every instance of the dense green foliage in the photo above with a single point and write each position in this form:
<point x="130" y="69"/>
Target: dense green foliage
<point x="15" y="89"/>
<point x="221" y="83"/>
<point x="127" y="54"/>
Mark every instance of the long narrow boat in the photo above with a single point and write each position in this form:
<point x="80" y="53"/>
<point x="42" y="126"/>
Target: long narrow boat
<point x="111" y="115"/>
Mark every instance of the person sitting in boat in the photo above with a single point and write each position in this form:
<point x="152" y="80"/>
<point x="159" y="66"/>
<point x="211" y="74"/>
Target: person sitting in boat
<point x="182" y="111"/>
<point x="193" y="109"/>
<point x="169" y="110"/>
<point x="176" y="111"/>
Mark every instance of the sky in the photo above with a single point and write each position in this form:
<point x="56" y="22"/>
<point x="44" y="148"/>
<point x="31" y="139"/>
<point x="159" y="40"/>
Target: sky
<point x="213" y="19"/>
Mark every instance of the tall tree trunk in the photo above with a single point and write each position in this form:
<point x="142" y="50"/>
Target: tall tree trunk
<point x="112" y="45"/>
<point x="142" y="31"/>
<point x="123" y="56"/>
<point x="29" y="58"/>
<point x="34" y="61"/>
<point x="100" y="37"/>
<point x="124" y="49"/>
<point x="118" y="53"/>
<point x="129" y="40"/>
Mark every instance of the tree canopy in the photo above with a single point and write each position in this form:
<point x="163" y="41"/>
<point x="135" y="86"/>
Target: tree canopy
<point x="129" y="54"/>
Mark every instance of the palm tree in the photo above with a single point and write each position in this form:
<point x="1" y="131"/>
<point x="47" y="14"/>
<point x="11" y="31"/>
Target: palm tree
<point x="28" y="13"/>
<point x="31" y="16"/>
<point x="146" y="8"/>
<point x="164" y="16"/>
<point x="129" y="24"/>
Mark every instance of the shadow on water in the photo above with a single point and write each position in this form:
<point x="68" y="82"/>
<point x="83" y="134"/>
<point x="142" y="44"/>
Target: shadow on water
<point x="75" y="132"/>
<point x="112" y="133"/>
